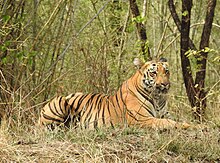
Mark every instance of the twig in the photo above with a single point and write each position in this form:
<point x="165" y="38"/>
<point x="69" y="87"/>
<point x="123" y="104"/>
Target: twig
<point x="144" y="8"/>
<point x="71" y="40"/>
<point x="162" y="37"/>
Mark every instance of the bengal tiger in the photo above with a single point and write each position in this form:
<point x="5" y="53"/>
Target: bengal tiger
<point x="141" y="100"/>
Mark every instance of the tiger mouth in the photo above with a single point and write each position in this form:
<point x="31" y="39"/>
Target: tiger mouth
<point x="157" y="90"/>
<point x="164" y="90"/>
<point x="154" y="88"/>
<point x="161" y="90"/>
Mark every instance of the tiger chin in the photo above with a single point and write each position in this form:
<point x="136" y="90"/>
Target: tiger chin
<point x="140" y="101"/>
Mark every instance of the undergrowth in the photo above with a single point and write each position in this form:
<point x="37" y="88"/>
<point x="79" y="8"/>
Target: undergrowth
<point x="131" y="144"/>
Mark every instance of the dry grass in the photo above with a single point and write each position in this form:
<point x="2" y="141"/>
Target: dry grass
<point x="23" y="142"/>
<point x="29" y="144"/>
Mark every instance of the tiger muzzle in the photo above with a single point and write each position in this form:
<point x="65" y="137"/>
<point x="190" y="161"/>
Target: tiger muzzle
<point x="163" y="87"/>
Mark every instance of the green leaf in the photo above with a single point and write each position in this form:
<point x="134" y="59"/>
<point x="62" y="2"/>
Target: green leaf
<point x="139" y="19"/>
<point x="3" y="48"/>
<point x="4" y="60"/>
<point x="5" y="18"/>
<point x="191" y="53"/>
<point x="185" y="13"/>
<point x="207" y="50"/>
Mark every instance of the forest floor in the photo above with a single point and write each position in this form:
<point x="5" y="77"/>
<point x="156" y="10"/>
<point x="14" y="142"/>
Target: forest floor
<point x="131" y="144"/>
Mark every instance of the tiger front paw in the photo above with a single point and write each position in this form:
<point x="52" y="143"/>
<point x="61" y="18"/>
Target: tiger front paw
<point x="182" y="125"/>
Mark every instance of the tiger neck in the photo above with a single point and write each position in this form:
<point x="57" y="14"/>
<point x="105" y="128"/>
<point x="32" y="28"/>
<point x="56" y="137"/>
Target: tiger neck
<point x="136" y="89"/>
<point x="131" y="89"/>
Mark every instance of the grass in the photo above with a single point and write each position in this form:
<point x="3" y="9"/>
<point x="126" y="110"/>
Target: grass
<point x="132" y="144"/>
<point x="23" y="142"/>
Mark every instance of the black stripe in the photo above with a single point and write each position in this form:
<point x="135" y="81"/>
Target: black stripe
<point x="162" y="105"/>
<point x="71" y="105"/>
<point x="103" y="110"/>
<point x="112" y="103"/>
<point x="61" y="106"/>
<point x="89" y="105"/>
<point x="49" y="105"/>
<point x="97" y="109"/>
<point x="66" y="105"/>
<point x="51" y="118"/>
<point x="80" y="102"/>
<point x="143" y="94"/>
<point x="103" y="116"/>
<point x="124" y="107"/>
<point x="131" y="114"/>
<point x="108" y="111"/>
<point x="73" y="102"/>
<point x="55" y="107"/>
<point x="116" y="97"/>
<point x="72" y="95"/>
<point x="122" y="97"/>
<point x="146" y="107"/>
<point x="143" y="104"/>
<point x="142" y="115"/>
<point x="67" y="108"/>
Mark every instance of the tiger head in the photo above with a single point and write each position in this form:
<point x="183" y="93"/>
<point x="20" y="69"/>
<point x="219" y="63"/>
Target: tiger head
<point x="154" y="76"/>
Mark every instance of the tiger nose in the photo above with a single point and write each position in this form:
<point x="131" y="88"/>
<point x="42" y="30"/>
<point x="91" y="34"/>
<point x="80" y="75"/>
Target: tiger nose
<point x="165" y="85"/>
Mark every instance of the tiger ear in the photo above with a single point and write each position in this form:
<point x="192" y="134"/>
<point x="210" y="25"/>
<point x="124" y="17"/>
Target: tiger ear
<point x="138" y="63"/>
<point x="162" y="59"/>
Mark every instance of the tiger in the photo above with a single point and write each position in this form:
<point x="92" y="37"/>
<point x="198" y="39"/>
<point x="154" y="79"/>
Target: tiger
<point x="140" y="101"/>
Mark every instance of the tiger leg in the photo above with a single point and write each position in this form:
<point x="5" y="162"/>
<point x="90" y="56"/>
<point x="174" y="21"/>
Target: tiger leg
<point x="55" y="112"/>
<point x="163" y="124"/>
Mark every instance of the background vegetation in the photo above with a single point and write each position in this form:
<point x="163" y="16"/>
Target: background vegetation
<point x="50" y="48"/>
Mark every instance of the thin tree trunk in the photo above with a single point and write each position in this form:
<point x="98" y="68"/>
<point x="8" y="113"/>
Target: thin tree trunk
<point x="178" y="22"/>
<point x="202" y="59"/>
<point x="184" y="45"/>
<point x="141" y="30"/>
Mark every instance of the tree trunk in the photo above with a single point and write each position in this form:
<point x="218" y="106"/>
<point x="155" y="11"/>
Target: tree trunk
<point x="195" y="89"/>
<point x="184" y="46"/>
<point x="202" y="59"/>
<point x="141" y="30"/>
<point x="178" y="22"/>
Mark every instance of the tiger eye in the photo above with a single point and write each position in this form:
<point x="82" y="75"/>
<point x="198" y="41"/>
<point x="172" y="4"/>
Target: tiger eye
<point x="151" y="69"/>
<point x="153" y="73"/>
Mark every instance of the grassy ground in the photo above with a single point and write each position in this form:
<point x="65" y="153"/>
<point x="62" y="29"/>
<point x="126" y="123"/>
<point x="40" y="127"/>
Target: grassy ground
<point x="29" y="144"/>
<point x="24" y="142"/>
